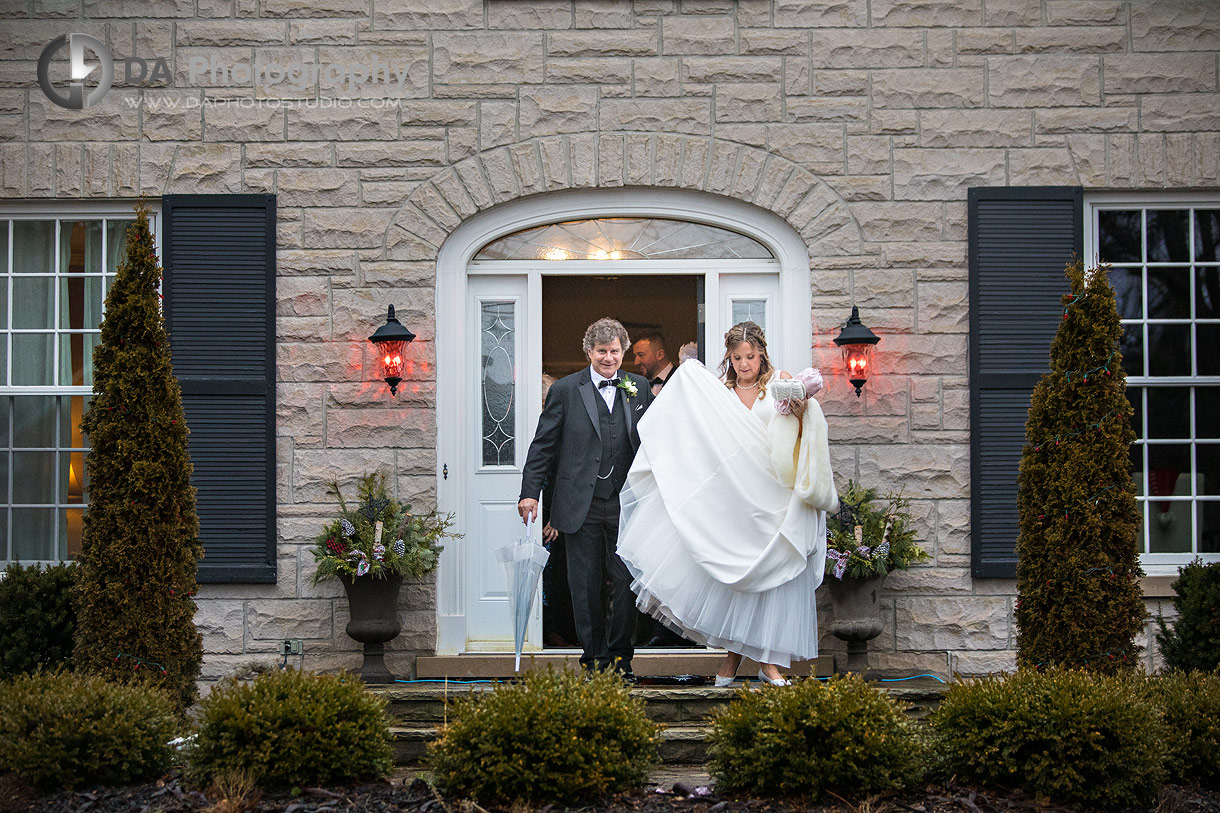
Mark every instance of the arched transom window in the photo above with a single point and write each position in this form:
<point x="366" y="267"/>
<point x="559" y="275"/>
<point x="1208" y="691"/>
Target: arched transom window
<point x="625" y="238"/>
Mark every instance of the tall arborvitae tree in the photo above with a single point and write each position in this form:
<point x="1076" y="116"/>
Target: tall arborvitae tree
<point x="141" y="533"/>
<point x="1080" y="603"/>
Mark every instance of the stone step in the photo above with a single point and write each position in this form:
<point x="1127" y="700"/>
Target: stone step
<point x="418" y="709"/>
<point x="694" y="661"/>
<point x="679" y="745"/>
<point x="427" y="703"/>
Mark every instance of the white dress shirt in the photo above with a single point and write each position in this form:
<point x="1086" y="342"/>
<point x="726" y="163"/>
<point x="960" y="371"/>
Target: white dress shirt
<point x="607" y="393"/>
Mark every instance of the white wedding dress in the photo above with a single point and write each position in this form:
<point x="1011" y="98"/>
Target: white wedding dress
<point x="723" y="523"/>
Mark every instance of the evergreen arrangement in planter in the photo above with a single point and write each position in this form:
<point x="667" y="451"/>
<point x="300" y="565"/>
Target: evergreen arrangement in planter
<point x="867" y="540"/>
<point x="140" y="545"/>
<point x="37" y="618"/>
<point x="370" y="547"/>
<point x="379" y="536"/>
<point x="1193" y="641"/>
<point x="1080" y="603"/>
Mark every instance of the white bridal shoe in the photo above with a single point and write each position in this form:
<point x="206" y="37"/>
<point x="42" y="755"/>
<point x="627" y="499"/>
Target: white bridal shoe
<point x="777" y="682"/>
<point x="725" y="682"/>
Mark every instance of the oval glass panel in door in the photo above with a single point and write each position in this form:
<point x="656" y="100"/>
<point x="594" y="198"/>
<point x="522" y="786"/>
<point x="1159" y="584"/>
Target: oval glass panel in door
<point x="498" y="383"/>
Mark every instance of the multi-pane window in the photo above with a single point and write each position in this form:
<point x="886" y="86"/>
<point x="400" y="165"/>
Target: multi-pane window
<point x="56" y="272"/>
<point x="1166" y="275"/>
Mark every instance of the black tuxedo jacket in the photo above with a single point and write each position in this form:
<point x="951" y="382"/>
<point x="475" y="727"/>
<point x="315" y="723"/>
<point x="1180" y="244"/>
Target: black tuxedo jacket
<point x="567" y="444"/>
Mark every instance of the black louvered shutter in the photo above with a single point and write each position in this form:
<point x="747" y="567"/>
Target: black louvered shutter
<point x="1021" y="239"/>
<point x="219" y="259"/>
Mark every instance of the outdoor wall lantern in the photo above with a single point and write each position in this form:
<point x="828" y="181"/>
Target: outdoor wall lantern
<point x="857" y="342"/>
<point x="391" y="340"/>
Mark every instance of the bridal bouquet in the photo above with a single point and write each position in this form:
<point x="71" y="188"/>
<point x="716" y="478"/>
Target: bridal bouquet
<point x="865" y="539"/>
<point x="379" y="536"/>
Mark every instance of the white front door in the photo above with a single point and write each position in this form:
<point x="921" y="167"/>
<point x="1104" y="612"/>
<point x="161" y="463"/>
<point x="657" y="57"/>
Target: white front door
<point x="498" y="432"/>
<point x="747" y="297"/>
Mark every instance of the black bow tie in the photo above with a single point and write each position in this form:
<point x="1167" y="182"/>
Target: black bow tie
<point x="609" y="382"/>
<point x="658" y="380"/>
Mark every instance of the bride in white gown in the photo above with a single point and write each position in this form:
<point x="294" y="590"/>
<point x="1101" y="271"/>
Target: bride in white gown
<point x="723" y="522"/>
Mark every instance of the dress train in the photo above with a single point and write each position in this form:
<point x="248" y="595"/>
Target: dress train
<point x="723" y="524"/>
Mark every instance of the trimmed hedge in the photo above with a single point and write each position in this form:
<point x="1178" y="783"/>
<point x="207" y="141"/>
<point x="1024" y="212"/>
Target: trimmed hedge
<point x="1081" y="738"/>
<point x="63" y="730"/>
<point x="844" y="735"/>
<point x="557" y="737"/>
<point x="37" y="618"/>
<point x="290" y="728"/>
<point x="1190" y="703"/>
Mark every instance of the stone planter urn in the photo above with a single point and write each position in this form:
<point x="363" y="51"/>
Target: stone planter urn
<point x="373" y="606"/>
<point x="857" y="617"/>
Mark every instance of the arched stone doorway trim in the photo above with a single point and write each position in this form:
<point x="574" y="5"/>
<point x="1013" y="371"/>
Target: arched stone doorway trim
<point x="586" y="161"/>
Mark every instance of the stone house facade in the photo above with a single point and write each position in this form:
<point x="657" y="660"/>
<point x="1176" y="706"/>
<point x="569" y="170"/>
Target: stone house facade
<point x="851" y="131"/>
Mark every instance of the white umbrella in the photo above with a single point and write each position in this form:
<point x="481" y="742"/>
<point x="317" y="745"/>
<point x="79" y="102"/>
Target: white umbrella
<point x="523" y="562"/>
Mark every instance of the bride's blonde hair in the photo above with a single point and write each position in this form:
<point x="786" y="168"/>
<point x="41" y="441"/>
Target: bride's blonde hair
<point x="752" y="333"/>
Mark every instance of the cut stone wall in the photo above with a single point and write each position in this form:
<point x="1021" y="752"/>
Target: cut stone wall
<point x="860" y="123"/>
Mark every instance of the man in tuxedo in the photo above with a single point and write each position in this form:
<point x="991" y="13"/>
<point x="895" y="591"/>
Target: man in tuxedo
<point x="587" y="434"/>
<point x="652" y="360"/>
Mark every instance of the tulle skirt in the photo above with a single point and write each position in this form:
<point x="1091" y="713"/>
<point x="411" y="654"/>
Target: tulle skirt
<point x="777" y="626"/>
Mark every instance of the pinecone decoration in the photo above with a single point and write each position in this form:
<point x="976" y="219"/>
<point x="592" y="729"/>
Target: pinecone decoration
<point x="336" y="546"/>
<point x="400" y="548"/>
<point x="347" y="528"/>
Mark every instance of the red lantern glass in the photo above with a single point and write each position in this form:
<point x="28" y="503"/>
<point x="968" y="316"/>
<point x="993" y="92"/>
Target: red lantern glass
<point x="857" y="342"/>
<point x="391" y="340"/>
<point x="857" y="357"/>
<point x="391" y="363"/>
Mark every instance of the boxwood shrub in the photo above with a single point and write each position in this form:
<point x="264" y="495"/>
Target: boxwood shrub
<point x="844" y="735"/>
<point x="1190" y="703"/>
<point x="1081" y="738"/>
<point x="63" y="730"/>
<point x="37" y="618"/>
<point x="557" y="737"/>
<point x="291" y="728"/>
<point x="1192" y="641"/>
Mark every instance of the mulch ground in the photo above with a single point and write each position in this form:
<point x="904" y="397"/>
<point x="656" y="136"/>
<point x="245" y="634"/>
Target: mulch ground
<point x="170" y="796"/>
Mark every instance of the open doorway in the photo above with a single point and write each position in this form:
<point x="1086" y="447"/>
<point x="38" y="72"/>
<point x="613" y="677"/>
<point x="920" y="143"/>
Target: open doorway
<point x="667" y="304"/>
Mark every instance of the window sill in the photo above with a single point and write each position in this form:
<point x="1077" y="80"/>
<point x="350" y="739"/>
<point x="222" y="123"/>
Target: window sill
<point x="1158" y="586"/>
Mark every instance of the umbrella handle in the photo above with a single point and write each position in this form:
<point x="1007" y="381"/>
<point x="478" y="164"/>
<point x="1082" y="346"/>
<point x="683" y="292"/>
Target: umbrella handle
<point x="529" y="524"/>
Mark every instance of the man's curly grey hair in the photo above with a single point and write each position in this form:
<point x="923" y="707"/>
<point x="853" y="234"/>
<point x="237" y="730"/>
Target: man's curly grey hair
<point x="604" y="331"/>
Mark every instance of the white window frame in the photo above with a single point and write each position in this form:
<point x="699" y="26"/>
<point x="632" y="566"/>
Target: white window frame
<point x="1157" y="564"/>
<point x="61" y="212"/>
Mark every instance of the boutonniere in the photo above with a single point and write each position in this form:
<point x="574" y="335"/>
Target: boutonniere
<point x="628" y="386"/>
